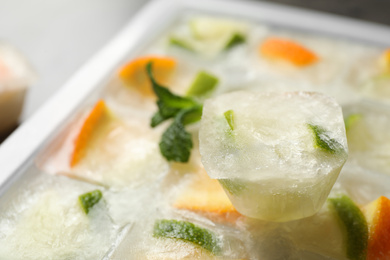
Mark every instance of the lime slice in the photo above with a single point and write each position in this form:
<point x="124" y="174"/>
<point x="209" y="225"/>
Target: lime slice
<point x="89" y="199"/>
<point x="355" y="225"/>
<point x="181" y="43"/>
<point x="229" y="115"/>
<point x="351" y="120"/>
<point x="187" y="231"/>
<point x="207" y="28"/>
<point x="323" y="141"/>
<point x="203" y="85"/>
<point x="216" y="31"/>
<point x="236" y="39"/>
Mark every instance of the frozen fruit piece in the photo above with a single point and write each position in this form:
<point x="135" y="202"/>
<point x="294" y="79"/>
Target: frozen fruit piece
<point x="277" y="168"/>
<point x="180" y="43"/>
<point x="377" y="214"/>
<point x="288" y="50"/>
<point x="351" y="120"/>
<point x="236" y="39"/>
<point x="207" y="28"/>
<point x="98" y="117"/>
<point x="385" y="61"/>
<point x="323" y="141"/>
<point x="210" y="36"/>
<point x="206" y="196"/>
<point x="188" y="232"/>
<point x="203" y="85"/>
<point x="89" y="199"/>
<point x="229" y="115"/>
<point x="134" y="72"/>
<point x="354" y="222"/>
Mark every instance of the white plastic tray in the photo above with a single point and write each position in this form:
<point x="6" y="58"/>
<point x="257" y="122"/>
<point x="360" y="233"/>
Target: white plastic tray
<point x="17" y="153"/>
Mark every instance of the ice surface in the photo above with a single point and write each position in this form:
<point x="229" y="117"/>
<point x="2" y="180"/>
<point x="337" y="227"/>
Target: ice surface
<point x="123" y="153"/>
<point x="368" y="136"/>
<point x="273" y="168"/>
<point x="140" y="243"/>
<point x="45" y="221"/>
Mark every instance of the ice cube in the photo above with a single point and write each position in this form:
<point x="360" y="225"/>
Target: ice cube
<point x="46" y="221"/>
<point x="367" y="127"/>
<point x="282" y="155"/>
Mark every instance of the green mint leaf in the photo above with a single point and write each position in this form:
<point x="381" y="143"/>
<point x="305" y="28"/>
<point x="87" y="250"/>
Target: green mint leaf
<point x="89" y="199"/>
<point x="323" y="141"/>
<point x="176" y="142"/>
<point x="166" y="97"/>
<point x="187" y="231"/>
<point x="236" y="39"/>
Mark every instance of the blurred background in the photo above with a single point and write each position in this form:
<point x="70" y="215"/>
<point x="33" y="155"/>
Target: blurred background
<point x="58" y="37"/>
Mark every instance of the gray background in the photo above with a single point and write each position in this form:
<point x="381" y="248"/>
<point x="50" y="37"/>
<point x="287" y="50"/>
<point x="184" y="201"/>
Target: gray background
<point x="59" y="36"/>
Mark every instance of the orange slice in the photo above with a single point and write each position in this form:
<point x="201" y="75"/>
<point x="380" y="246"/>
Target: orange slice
<point x="96" y="117"/>
<point x="385" y="61"/>
<point x="134" y="73"/>
<point x="206" y="196"/>
<point x="290" y="51"/>
<point x="377" y="214"/>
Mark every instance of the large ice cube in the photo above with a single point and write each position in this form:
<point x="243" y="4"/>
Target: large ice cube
<point x="367" y="126"/>
<point x="278" y="154"/>
<point x="46" y="221"/>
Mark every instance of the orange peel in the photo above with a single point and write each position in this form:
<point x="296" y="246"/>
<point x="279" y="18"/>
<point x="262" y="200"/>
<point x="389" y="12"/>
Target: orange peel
<point x="287" y="50"/>
<point x="98" y="114"/>
<point x="134" y="73"/>
<point x="377" y="214"/>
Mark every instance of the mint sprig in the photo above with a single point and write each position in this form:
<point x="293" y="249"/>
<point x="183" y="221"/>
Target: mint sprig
<point x="176" y="142"/>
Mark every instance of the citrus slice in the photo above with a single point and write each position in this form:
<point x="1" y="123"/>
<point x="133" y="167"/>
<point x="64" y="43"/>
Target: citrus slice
<point x="352" y="120"/>
<point x="287" y="50"/>
<point x="134" y="73"/>
<point x="203" y="85"/>
<point x="98" y="117"/>
<point x="354" y="223"/>
<point x="210" y="28"/>
<point x="206" y="196"/>
<point x="189" y="232"/>
<point x="180" y="43"/>
<point x="211" y="36"/>
<point x="385" y="61"/>
<point x="89" y="199"/>
<point x="377" y="214"/>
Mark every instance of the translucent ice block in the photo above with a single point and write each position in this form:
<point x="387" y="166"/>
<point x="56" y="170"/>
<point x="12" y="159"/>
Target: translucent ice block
<point x="46" y="221"/>
<point x="367" y="127"/>
<point x="277" y="155"/>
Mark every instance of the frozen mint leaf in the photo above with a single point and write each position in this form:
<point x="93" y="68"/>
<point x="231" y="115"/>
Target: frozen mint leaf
<point x="166" y="97"/>
<point x="176" y="142"/>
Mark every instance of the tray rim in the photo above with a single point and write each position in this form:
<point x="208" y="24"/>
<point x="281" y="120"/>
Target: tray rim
<point x="18" y="150"/>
